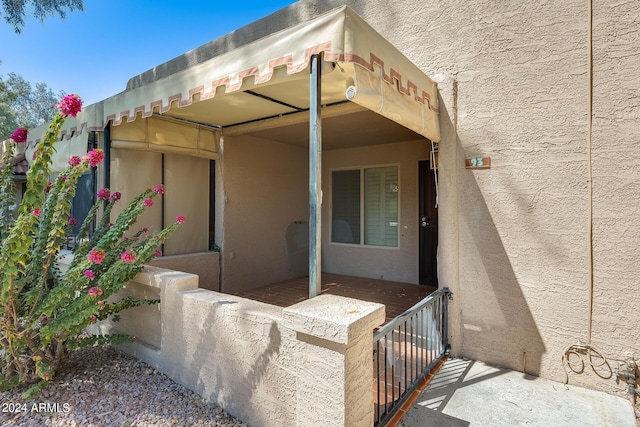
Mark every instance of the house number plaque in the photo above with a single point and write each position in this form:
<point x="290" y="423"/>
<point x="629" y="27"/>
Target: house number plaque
<point x="478" y="163"/>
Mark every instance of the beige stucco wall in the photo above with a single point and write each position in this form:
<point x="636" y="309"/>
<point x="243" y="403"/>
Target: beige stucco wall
<point x="205" y="265"/>
<point x="514" y="238"/>
<point x="265" y="190"/>
<point x="399" y="264"/>
<point x="305" y="365"/>
<point x="616" y="179"/>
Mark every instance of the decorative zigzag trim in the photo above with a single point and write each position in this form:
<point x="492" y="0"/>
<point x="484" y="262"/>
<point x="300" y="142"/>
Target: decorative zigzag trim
<point x="392" y="77"/>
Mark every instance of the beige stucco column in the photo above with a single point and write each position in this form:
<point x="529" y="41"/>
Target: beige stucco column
<point x="450" y="160"/>
<point x="333" y="368"/>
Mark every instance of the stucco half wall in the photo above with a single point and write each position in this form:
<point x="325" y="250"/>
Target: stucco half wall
<point x="305" y="365"/>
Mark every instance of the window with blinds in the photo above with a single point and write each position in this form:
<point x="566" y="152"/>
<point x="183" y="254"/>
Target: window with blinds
<point x="365" y="206"/>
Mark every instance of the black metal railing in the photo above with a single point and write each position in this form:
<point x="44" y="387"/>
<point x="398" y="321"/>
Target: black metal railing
<point x="405" y="350"/>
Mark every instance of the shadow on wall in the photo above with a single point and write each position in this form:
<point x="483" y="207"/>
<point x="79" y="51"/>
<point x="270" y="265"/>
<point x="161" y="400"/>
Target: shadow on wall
<point x="496" y="323"/>
<point x="245" y="359"/>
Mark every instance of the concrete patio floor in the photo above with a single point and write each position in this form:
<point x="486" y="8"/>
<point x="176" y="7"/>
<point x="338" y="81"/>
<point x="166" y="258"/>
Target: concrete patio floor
<point x="468" y="393"/>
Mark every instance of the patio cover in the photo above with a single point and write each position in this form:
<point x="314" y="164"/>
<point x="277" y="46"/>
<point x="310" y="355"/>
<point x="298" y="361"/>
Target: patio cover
<point x="264" y="79"/>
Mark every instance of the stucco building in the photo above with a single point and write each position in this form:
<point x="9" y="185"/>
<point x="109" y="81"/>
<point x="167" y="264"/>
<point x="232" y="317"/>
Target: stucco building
<point x="539" y="243"/>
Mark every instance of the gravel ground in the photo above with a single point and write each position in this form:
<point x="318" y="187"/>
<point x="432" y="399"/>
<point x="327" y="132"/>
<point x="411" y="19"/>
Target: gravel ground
<point x="104" y="387"/>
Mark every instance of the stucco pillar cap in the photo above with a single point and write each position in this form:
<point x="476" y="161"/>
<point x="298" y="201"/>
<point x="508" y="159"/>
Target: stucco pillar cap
<point x="335" y="318"/>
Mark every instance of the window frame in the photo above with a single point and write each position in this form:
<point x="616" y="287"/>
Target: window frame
<point x="361" y="169"/>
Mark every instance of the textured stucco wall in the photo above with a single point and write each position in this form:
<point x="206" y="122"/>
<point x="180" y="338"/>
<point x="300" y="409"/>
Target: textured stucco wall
<point x="265" y="190"/>
<point x="514" y="240"/>
<point x="306" y="365"/>
<point x="206" y="265"/>
<point x="616" y="179"/>
<point x="400" y="264"/>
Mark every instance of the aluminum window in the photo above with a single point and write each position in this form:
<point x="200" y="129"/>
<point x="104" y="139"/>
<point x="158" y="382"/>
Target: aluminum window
<point x="365" y="206"/>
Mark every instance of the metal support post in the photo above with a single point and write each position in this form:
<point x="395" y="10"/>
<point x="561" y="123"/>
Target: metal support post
<point x="315" y="177"/>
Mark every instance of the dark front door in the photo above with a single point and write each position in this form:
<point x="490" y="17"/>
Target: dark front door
<point x="428" y="225"/>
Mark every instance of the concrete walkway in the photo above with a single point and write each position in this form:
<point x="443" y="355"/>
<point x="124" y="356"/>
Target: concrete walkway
<point x="467" y="393"/>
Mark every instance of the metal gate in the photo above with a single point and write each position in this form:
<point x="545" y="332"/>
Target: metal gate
<point x="405" y="350"/>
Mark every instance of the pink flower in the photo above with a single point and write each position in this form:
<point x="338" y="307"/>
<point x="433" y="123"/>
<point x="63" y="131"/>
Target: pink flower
<point x="158" y="252"/>
<point x="95" y="291"/>
<point x="20" y="135"/>
<point x="109" y="224"/>
<point x="128" y="256"/>
<point x="94" y="157"/>
<point x="101" y="305"/>
<point x="159" y="189"/>
<point x="62" y="178"/>
<point x="96" y="256"/>
<point x="115" y="196"/>
<point x="94" y="319"/>
<point x="91" y="275"/>
<point x="48" y="187"/>
<point x="180" y="219"/>
<point x="74" y="161"/>
<point x="70" y="105"/>
<point x="104" y="194"/>
<point x="145" y="230"/>
<point x="37" y="212"/>
<point x="72" y="222"/>
<point x="148" y="202"/>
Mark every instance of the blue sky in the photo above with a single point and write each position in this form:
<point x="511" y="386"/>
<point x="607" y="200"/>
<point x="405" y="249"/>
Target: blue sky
<point x="93" y="53"/>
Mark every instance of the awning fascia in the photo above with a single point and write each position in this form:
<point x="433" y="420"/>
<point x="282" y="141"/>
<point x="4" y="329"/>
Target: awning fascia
<point x="384" y="79"/>
<point x="371" y="73"/>
<point x="73" y="136"/>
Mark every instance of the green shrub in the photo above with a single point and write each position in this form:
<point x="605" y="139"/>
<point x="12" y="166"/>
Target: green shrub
<point x="43" y="311"/>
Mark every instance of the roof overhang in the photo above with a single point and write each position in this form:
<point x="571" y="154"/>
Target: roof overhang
<point x="269" y="78"/>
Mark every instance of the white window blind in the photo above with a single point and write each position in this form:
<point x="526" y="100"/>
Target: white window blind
<point x="381" y="206"/>
<point x="365" y="206"/>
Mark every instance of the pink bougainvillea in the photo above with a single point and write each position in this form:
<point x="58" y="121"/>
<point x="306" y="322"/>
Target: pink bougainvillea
<point x="95" y="291"/>
<point x="94" y="157"/>
<point x="96" y="256"/>
<point x="115" y="196"/>
<point x="145" y="230"/>
<point x="104" y="194"/>
<point x="148" y="202"/>
<point x="128" y="256"/>
<point x="37" y="212"/>
<point x="70" y="105"/>
<point x="72" y="222"/>
<point x="94" y="319"/>
<point x="159" y="189"/>
<point x="158" y="252"/>
<point x="91" y="275"/>
<point x="180" y="219"/>
<point x="20" y="135"/>
<point x="74" y="161"/>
